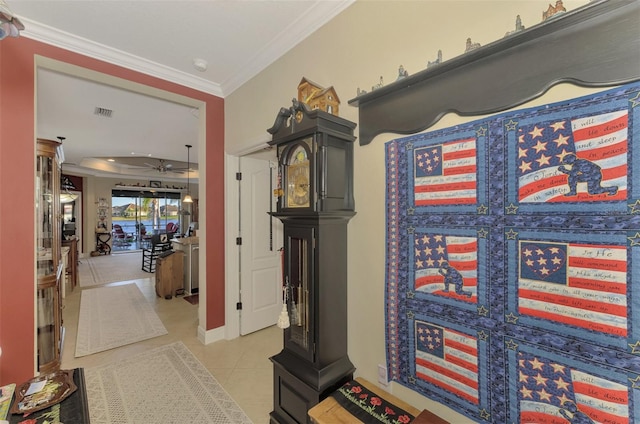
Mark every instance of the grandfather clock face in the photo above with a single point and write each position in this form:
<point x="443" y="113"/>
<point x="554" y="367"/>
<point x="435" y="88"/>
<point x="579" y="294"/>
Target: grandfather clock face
<point x="297" y="178"/>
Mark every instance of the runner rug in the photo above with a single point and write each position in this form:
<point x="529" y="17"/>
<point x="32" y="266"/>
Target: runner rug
<point x="163" y="385"/>
<point x="99" y="270"/>
<point x="115" y="316"/>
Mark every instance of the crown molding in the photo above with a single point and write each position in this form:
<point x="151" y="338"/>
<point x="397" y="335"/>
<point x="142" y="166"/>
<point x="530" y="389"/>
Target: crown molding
<point x="55" y="37"/>
<point x="321" y="13"/>
<point x="511" y="71"/>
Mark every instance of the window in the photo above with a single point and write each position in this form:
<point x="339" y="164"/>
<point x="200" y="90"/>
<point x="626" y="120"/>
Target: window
<point x="136" y="215"/>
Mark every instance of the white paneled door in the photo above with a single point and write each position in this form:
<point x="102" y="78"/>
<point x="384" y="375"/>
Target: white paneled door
<point x="260" y="268"/>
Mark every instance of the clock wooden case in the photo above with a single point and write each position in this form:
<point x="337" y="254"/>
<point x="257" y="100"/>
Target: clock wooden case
<point x="315" y="154"/>
<point x="315" y="204"/>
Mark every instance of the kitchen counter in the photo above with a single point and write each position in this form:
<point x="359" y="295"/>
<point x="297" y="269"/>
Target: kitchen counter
<point x="186" y="240"/>
<point x="191" y="247"/>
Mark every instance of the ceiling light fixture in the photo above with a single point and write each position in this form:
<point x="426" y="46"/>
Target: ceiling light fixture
<point x="187" y="197"/>
<point x="9" y="24"/>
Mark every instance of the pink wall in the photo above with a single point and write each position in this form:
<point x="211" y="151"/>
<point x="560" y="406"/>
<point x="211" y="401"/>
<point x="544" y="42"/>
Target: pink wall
<point x="17" y="153"/>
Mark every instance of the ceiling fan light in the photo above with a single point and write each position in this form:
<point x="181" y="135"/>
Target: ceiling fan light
<point x="187" y="199"/>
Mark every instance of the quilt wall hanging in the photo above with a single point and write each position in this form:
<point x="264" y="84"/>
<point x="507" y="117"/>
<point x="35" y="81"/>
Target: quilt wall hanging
<point x="513" y="263"/>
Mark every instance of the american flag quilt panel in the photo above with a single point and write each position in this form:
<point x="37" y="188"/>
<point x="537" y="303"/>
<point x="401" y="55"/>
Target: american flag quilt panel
<point x="553" y="386"/>
<point x="513" y="245"/>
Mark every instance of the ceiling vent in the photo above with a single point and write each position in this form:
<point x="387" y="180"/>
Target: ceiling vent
<point x="101" y="111"/>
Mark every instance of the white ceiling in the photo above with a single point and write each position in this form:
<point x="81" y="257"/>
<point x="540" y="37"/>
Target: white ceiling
<point x="237" y="38"/>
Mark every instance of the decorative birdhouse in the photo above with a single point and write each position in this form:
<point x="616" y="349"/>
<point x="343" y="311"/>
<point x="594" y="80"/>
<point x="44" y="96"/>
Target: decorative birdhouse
<point x="317" y="97"/>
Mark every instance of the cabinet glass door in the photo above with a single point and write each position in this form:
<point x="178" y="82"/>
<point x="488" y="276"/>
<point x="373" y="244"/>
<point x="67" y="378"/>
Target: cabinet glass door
<point x="46" y="218"/>
<point x="46" y="326"/>
<point x="48" y="246"/>
<point x="299" y="280"/>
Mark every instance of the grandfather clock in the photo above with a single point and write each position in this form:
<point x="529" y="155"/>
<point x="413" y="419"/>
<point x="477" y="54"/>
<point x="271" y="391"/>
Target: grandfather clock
<point x="315" y="204"/>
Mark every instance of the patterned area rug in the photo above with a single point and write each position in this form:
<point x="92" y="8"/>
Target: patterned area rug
<point x="115" y="316"/>
<point x="164" y="385"/>
<point x="99" y="270"/>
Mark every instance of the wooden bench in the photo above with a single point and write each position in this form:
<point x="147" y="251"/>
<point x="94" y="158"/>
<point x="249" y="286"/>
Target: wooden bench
<point x="329" y="411"/>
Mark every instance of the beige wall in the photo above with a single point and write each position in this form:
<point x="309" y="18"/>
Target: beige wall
<point x="370" y="39"/>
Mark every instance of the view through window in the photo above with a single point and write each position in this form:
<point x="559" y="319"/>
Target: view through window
<point x="137" y="216"/>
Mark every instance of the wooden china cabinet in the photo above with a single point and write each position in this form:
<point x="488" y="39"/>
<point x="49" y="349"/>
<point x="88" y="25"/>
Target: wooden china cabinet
<point x="49" y="265"/>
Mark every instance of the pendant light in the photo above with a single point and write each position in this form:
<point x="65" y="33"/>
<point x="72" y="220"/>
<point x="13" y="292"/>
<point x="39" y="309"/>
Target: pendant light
<point x="65" y="182"/>
<point x="65" y="185"/>
<point x="187" y="197"/>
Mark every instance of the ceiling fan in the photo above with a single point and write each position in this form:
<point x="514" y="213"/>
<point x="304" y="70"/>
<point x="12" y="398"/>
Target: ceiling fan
<point x="163" y="167"/>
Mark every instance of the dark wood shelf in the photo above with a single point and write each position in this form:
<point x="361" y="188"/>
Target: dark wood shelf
<point x="595" y="45"/>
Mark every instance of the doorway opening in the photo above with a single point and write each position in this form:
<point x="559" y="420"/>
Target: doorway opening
<point x="71" y="209"/>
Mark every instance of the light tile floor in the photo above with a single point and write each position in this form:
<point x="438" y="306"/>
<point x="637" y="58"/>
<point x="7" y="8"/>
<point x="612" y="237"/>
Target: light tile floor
<point x="241" y="365"/>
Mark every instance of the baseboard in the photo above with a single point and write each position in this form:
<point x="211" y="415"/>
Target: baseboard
<point x="210" y="336"/>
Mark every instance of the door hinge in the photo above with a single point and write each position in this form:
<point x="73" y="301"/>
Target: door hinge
<point x="239" y="176"/>
<point x="239" y="241"/>
<point x="239" y="306"/>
